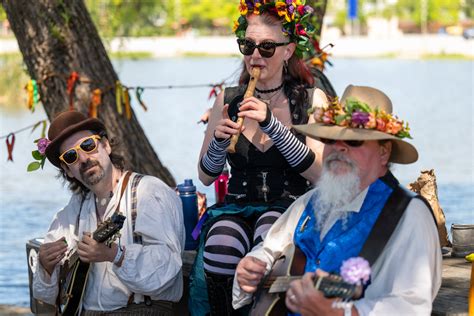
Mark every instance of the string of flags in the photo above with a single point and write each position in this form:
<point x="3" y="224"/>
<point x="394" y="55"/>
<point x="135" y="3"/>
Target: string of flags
<point x="122" y="99"/>
<point x="122" y="95"/>
<point x="10" y="137"/>
<point x="121" y="91"/>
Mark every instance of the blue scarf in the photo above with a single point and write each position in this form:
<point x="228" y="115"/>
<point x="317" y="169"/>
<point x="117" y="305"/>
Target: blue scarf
<point x="341" y="242"/>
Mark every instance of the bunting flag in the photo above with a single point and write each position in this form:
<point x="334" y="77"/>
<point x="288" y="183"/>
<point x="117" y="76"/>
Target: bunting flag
<point x="138" y="95"/>
<point x="33" y="95"/>
<point x="126" y="100"/>
<point x="71" y="86"/>
<point x="43" y="130"/>
<point x="122" y="93"/>
<point x="118" y="96"/>
<point x="216" y="89"/>
<point x="96" y="100"/>
<point x="10" y="140"/>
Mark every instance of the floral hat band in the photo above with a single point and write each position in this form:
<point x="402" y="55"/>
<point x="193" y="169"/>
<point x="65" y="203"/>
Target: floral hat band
<point x="357" y="114"/>
<point x="294" y="15"/>
<point x="364" y="113"/>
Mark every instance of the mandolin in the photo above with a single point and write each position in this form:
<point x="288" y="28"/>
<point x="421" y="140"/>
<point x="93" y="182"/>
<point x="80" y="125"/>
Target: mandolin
<point x="73" y="273"/>
<point x="269" y="299"/>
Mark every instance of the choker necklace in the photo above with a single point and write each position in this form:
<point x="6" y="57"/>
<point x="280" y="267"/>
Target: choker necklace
<point x="269" y="90"/>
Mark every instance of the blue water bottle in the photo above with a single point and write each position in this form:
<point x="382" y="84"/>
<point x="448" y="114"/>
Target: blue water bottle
<point x="187" y="193"/>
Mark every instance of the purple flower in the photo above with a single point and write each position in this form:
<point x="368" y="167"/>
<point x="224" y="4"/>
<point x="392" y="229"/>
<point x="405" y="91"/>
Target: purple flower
<point x="42" y="145"/>
<point x="289" y="2"/>
<point x="359" y="118"/>
<point x="355" y="270"/>
<point x="291" y="9"/>
<point x="308" y="9"/>
<point x="250" y="5"/>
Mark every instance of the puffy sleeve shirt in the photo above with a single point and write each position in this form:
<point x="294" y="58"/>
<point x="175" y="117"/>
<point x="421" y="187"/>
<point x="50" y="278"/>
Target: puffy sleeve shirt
<point x="152" y="268"/>
<point x="405" y="278"/>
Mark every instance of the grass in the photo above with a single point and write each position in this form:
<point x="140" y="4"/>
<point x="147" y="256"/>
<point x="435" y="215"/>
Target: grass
<point x="12" y="81"/>
<point x="10" y="55"/>
<point x="130" y="55"/>
<point x="447" y="56"/>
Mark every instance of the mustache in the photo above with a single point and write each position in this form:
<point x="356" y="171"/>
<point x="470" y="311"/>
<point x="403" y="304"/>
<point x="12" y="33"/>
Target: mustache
<point x="337" y="156"/>
<point x="87" y="165"/>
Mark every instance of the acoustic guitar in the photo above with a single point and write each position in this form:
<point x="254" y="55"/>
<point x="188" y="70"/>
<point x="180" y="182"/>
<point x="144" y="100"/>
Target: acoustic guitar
<point x="269" y="299"/>
<point x="73" y="273"/>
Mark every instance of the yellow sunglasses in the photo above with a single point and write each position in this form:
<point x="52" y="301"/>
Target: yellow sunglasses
<point x="87" y="145"/>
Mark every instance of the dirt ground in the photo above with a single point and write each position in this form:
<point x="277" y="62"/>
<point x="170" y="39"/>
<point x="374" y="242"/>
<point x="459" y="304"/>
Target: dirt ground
<point x="9" y="310"/>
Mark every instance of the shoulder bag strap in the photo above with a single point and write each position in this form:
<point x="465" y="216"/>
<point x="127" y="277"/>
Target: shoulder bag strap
<point x="122" y="190"/>
<point x="385" y="224"/>
<point x="137" y="239"/>
<point x="388" y="219"/>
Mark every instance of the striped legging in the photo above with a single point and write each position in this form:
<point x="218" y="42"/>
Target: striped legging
<point x="230" y="238"/>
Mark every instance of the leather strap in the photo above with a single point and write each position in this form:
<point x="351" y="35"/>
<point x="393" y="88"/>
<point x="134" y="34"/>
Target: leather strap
<point x="137" y="239"/>
<point x="389" y="217"/>
<point x="385" y="224"/>
<point x="122" y="189"/>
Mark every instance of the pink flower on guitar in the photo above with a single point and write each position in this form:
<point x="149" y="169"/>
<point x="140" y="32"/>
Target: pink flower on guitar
<point x="355" y="270"/>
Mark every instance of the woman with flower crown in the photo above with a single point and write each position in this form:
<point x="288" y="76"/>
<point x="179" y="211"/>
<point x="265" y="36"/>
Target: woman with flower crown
<point x="272" y="165"/>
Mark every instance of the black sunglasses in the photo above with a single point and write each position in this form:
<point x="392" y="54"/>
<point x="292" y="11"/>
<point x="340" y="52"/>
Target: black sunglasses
<point x="266" y="49"/>
<point x="87" y="145"/>
<point x="350" y="143"/>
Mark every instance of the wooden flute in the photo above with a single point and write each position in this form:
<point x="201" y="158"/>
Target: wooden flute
<point x="248" y="93"/>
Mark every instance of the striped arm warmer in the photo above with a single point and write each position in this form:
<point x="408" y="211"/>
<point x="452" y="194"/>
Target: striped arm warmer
<point x="298" y="155"/>
<point x="213" y="161"/>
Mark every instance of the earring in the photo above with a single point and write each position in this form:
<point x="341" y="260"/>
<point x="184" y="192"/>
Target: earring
<point x="285" y="67"/>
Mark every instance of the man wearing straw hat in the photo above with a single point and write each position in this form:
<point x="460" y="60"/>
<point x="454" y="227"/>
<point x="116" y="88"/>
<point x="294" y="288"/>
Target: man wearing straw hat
<point x="357" y="214"/>
<point x="140" y="273"/>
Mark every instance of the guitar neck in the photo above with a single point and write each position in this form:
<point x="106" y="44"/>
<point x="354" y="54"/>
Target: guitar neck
<point x="331" y="286"/>
<point x="280" y="284"/>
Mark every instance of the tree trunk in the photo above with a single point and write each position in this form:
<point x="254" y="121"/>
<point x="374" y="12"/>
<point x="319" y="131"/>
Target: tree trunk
<point x="59" y="37"/>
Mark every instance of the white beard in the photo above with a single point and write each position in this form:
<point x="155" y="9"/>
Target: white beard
<point x="333" y="191"/>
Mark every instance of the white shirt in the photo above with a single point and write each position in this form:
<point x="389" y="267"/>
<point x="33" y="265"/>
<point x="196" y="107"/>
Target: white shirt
<point x="152" y="268"/>
<point x="405" y="278"/>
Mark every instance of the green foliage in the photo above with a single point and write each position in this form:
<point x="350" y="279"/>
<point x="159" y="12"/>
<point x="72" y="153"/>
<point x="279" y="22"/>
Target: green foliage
<point x="12" y="80"/>
<point x="131" y="18"/>
<point x="40" y="160"/>
<point x="151" y="18"/>
<point x="209" y="14"/>
<point x="36" y="155"/>
<point x="445" y="12"/>
<point x="35" y="165"/>
<point x="3" y="14"/>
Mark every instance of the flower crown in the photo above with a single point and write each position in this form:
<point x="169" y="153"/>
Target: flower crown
<point x="357" y="114"/>
<point x="295" y="16"/>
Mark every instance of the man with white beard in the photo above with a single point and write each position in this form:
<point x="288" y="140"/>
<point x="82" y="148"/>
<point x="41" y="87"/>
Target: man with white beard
<point x="357" y="208"/>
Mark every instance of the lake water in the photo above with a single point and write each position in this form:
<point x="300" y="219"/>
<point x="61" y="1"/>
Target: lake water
<point x="436" y="97"/>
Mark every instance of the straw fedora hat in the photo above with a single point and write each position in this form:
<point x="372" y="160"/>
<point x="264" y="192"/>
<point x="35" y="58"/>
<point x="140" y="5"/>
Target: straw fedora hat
<point x="402" y="151"/>
<point x="64" y="125"/>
